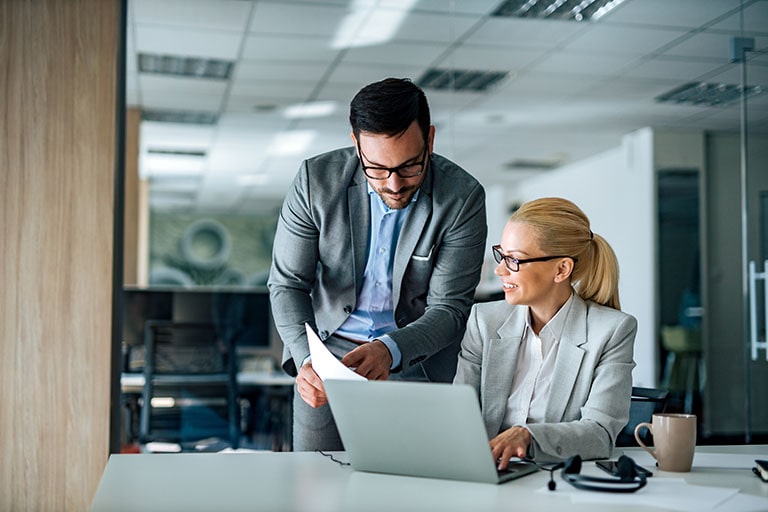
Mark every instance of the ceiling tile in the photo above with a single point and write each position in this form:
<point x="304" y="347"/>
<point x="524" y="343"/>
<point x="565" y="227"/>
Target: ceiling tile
<point x="622" y="40"/>
<point x="187" y="42"/>
<point x="297" y="19"/>
<point x="532" y="33"/>
<point x="223" y="14"/>
<point x="294" y="90"/>
<point x="433" y="28"/>
<point x="673" y="68"/>
<point x="490" y="58"/>
<point x="394" y="53"/>
<point x="710" y="45"/>
<point x="678" y="13"/>
<point x="755" y="19"/>
<point x="582" y="63"/>
<point x="359" y="74"/>
<point x="295" y="48"/>
<point x="450" y="6"/>
<point x="256" y="71"/>
<point x="731" y="74"/>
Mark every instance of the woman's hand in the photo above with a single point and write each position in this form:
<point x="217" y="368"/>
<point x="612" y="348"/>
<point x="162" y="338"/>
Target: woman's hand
<point x="513" y="442"/>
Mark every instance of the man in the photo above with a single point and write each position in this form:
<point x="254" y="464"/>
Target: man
<point x="379" y="247"/>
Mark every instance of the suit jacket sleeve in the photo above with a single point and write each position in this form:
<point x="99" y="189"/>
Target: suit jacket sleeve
<point x="292" y="276"/>
<point x="455" y="273"/>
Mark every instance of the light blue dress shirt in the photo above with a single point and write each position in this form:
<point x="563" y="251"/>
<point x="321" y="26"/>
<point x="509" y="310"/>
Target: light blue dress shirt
<point x="374" y="313"/>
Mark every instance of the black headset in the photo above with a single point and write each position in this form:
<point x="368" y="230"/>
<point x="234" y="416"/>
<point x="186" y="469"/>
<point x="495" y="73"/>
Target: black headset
<point x="628" y="480"/>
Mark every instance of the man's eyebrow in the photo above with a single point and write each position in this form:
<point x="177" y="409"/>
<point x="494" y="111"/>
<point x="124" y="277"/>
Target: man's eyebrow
<point x="375" y="164"/>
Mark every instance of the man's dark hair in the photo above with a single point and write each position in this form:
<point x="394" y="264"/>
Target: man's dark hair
<point x="389" y="107"/>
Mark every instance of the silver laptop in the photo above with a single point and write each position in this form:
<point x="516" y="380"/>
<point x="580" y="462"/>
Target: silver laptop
<point x="416" y="429"/>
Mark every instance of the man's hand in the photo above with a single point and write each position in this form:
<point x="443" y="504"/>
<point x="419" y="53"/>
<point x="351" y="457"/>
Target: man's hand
<point x="513" y="442"/>
<point x="371" y="360"/>
<point x="310" y="386"/>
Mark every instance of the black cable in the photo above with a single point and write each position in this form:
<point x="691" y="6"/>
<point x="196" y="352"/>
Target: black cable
<point x="334" y="459"/>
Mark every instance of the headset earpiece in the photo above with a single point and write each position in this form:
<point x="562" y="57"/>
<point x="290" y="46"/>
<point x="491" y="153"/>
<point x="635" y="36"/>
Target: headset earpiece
<point x="625" y="467"/>
<point x="572" y="465"/>
<point x="628" y="480"/>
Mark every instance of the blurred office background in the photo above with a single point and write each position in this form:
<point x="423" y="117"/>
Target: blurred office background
<point x="630" y="108"/>
<point x="633" y="109"/>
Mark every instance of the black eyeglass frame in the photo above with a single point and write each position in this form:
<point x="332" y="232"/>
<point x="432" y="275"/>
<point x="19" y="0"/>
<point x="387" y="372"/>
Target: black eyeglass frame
<point x="397" y="170"/>
<point x="511" y="260"/>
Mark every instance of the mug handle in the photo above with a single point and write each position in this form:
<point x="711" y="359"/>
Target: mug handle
<point x="640" y="441"/>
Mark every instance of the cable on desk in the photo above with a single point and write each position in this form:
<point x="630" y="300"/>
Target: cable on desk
<point x="334" y="459"/>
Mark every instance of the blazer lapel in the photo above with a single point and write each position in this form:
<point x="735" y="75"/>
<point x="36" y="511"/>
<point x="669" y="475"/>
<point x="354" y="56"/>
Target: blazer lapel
<point x="360" y="222"/>
<point x="568" y="362"/>
<point x="500" y="363"/>
<point x="413" y="225"/>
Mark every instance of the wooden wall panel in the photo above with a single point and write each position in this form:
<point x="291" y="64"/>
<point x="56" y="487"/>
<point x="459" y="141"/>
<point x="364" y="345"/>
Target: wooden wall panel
<point x="57" y="167"/>
<point x="131" y="219"/>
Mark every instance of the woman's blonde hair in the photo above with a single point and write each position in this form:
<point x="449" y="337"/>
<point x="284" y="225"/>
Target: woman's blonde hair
<point x="562" y="228"/>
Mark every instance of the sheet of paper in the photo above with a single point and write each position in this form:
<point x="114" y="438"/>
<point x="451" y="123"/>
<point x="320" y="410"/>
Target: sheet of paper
<point x="324" y="363"/>
<point x="706" y="460"/>
<point x="670" y="493"/>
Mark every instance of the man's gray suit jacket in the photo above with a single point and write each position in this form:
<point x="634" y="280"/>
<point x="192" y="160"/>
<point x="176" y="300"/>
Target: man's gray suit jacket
<point x="591" y="386"/>
<point x="321" y="247"/>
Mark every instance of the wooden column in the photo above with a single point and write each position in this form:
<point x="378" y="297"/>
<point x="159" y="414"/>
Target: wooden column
<point x="58" y="132"/>
<point x="131" y="219"/>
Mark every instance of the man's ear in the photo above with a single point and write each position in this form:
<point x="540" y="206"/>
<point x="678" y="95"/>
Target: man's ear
<point x="564" y="270"/>
<point x="354" y="139"/>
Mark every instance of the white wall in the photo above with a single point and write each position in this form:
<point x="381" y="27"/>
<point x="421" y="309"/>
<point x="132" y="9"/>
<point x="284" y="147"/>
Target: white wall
<point x="616" y="189"/>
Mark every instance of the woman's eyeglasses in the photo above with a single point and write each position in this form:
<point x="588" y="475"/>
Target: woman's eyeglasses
<point x="513" y="264"/>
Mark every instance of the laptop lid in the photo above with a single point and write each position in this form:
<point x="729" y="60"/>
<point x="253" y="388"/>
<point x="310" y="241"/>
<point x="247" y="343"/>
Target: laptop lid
<point x="416" y="429"/>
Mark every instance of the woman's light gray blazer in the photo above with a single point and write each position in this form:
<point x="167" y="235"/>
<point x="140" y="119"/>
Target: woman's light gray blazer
<point x="591" y="386"/>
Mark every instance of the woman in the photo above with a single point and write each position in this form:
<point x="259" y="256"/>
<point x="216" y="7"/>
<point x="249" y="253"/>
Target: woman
<point x="552" y="363"/>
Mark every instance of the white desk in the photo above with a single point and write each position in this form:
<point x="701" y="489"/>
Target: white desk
<point x="275" y="482"/>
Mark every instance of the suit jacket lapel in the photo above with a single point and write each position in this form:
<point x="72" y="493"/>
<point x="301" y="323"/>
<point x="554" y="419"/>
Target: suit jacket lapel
<point x="500" y="368"/>
<point x="568" y="362"/>
<point x="413" y="225"/>
<point x="360" y="221"/>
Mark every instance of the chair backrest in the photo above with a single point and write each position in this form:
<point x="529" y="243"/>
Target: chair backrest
<point x="645" y="403"/>
<point x="195" y="371"/>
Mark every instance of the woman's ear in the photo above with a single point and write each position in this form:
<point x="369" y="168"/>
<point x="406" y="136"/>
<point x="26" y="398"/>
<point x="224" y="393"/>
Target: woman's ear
<point x="564" y="270"/>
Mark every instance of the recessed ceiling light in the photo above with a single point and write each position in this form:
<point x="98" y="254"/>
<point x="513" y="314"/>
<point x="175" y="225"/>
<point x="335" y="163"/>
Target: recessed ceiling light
<point x="313" y="109"/>
<point x="532" y="164"/>
<point x="264" y="108"/>
<point x="702" y="93"/>
<point x="165" y="165"/>
<point x="571" y="10"/>
<point x="460" y="79"/>
<point x="291" y="143"/>
<point x="369" y="23"/>
<point x="177" y="152"/>
<point x="192" y="67"/>
<point x="180" y="116"/>
<point x="252" y="180"/>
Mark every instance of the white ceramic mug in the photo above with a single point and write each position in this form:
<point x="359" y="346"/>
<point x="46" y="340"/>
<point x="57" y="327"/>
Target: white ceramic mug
<point x="674" y="440"/>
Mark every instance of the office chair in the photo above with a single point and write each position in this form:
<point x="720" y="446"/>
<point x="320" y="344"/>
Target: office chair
<point x="190" y="394"/>
<point x="645" y="403"/>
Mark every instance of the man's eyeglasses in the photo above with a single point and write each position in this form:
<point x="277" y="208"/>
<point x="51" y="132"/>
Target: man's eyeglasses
<point x="410" y="170"/>
<point x="513" y="264"/>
